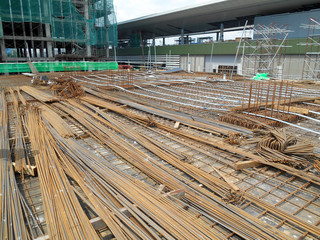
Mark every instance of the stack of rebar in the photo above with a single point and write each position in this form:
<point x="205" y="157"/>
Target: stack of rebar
<point x="71" y="140"/>
<point x="13" y="225"/>
<point x="64" y="215"/>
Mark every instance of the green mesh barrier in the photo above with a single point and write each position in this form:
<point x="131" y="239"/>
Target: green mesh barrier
<point x="261" y="76"/>
<point x="135" y="40"/>
<point x="57" y="66"/>
<point x="1" y="30"/>
<point x="70" y="20"/>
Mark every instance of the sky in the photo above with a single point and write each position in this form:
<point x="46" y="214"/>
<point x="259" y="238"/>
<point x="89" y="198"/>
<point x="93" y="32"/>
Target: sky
<point x="129" y="9"/>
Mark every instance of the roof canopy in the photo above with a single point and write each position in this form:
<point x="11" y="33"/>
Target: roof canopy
<point x="209" y="16"/>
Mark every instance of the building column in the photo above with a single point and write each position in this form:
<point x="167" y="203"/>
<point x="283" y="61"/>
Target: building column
<point x="3" y="50"/>
<point x="107" y="41"/>
<point x="108" y="51"/>
<point x="163" y="41"/>
<point x="42" y="50"/>
<point x="3" y="47"/>
<point x="153" y="39"/>
<point x="34" y="50"/>
<point x="47" y="26"/>
<point x="221" y="32"/>
<point x="30" y="49"/>
<point x="86" y="15"/>
<point x="182" y="36"/>
<point x="2" y="44"/>
<point x="107" y="30"/>
<point x="49" y="43"/>
<point x="68" y="48"/>
<point x="25" y="54"/>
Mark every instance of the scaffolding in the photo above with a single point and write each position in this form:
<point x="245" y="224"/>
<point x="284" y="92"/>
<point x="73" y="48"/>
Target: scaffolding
<point x="42" y="29"/>
<point x="311" y="64"/>
<point x="266" y="53"/>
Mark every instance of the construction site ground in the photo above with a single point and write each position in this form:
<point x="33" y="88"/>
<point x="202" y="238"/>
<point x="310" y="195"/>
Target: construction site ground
<point x="134" y="155"/>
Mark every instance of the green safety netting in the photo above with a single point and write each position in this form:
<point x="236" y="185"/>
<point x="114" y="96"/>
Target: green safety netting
<point x="135" y="40"/>
<point x="261" y="76"/>
<point x="1" y="30"/>
<point x="92" y="22"/>
<point x="57" y="66"/>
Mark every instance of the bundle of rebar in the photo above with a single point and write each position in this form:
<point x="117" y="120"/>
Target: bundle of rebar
<point x="316" y="165"/>
<point x="38" y="94"/>
<point x="67" y="87"/>
<point x="21" y="159"/>
<point x="213" y="142"/>
<point x="277" y="139"/>
<point x="277" y="146"/>
<point x="56" y="121"/>
<point x="94" y="165"/>
<point x="278" y="157"/>
<point x="178" y="201"/>
<point x="99" y="132"/>
<point x="12" y="216"/>
<point x="64" y="216"/>
<point x="234" y="139"/>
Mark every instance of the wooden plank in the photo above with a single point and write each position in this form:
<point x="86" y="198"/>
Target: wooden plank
<point x="13" y="139"/>
<point x="32" y="170"/>
<point x="246" y="164"/>
<point x="160" y="189"/>
<point x="304" y="111"/>
<point x="177" y="125"/>
<point x="38" y="94"/>
<point x="231" y="184"/>
<point x="33" y="68"/>
<point x="175" y="193"/>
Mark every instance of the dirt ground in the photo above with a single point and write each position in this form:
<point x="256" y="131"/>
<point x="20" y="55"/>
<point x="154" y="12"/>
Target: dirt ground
<point x="16" y="80"/>
<point x="22" y="80"/>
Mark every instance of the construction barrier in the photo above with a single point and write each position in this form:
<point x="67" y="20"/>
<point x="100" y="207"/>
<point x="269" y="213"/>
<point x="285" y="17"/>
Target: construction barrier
<point x="57" y="66"/>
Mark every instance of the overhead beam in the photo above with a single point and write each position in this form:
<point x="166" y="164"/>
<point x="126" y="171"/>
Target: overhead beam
<point x="201" y="17"/>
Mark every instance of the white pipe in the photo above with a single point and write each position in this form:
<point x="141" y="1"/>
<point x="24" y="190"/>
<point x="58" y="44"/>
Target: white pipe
<point x="297" y="114"/>
<point x="235" y="59"/>
<point x="278" y="120"/>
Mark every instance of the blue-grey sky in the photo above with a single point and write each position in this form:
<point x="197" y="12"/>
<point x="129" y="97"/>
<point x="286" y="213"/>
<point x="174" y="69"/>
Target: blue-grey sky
<point x="129" y="9"/>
